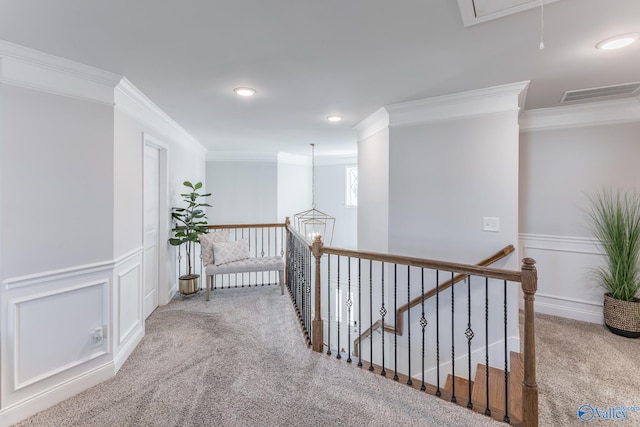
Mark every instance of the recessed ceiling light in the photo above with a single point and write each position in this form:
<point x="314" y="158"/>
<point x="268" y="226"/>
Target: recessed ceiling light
<point x="618" y="41"/>
<point x="245" y="91"/>
<point x="334" y="118"/>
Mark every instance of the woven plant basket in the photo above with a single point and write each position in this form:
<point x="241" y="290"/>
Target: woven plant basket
<point x="622" y="317"/>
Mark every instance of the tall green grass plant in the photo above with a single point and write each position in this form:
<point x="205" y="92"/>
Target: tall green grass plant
<point x="615" y="220"/>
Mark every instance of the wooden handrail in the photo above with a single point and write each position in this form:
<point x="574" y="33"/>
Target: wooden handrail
<point x="471" y="270"/>
<point x="446" y="285"/>
<point x="398" y="328"/>
<point x="227" y="226"/>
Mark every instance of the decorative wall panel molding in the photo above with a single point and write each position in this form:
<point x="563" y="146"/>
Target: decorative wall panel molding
<point x="43" y="349"/>
<point x="566" y="286"/>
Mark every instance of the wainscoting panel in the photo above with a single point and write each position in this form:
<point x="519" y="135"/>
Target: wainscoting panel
<point x="128" y="317"/>
<point x="566" y="284"/>
<point x="55" y="337"/>
<point x="44" y="348"/>
<point x="130" y="307"/>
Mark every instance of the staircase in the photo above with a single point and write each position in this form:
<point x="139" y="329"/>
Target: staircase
<point x="496" y="408"/>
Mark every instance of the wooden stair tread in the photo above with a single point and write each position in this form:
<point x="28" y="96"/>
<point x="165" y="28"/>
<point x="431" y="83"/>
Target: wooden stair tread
<point x="497" y="387"/>
<point x="478" y="388"/>
<point x="462" y="387"/>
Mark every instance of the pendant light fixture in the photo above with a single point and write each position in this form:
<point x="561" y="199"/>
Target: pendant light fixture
<point x="312" y="223"/>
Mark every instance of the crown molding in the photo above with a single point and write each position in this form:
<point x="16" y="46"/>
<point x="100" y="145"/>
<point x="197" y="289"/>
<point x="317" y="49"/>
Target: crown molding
<point x="372" y="124"/>
<point x="240" y="156"/>
<point x="591" y="114"/>
<point x="131" y="101"/>
<point x="474" y="103"/>
<point x="294" y="159"/>
<point x="28" y="68"/>
<point x="344" y="159"/>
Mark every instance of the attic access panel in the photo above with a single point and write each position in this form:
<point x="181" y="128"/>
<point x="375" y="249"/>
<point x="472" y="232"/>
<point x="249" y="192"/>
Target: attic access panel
<point x="477" y="11"/>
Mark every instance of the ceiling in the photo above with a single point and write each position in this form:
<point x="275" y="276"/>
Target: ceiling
<point x="308" y="59"/>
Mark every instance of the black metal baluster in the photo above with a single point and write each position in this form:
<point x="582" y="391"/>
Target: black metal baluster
<point x="423" y="324"/>
<point x="360" y="312"/>
<point x="383" y="313"/>
<point x="487" y="411"/>
<point x="395" y="322"/>
<point x="409" y="382"/>
<point x="349" y="304"/>
<point x="469" y="334"/>
<point x="506" y="359"/>
<point x="262" y="249"/>
<point x="338" y="308"/>
<point x="370" y="315"/>
<point x="453" y="344"/>
<point x="329" y="305"/>
<point x="438" y="393"/>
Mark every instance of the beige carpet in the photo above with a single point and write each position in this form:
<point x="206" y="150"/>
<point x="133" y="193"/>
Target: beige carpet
<point x="240" y="360"/>
<point x="582" y="363"/>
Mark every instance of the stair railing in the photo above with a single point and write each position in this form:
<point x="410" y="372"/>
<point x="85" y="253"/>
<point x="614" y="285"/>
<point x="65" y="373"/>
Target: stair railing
<point x="308" y="261"/>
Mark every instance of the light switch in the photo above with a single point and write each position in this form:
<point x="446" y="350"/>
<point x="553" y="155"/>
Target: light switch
<point x="490" y="223"/>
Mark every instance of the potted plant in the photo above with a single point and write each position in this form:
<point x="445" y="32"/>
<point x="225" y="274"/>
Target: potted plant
<point x="615" y="219"/>
<point x="190" y="223"/>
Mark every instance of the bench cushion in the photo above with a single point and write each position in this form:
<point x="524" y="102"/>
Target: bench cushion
<point x="274" y="263"/>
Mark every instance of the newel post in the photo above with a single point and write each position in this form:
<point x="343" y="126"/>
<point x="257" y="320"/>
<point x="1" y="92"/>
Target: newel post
<point x="317" y="326"/>
<point x="529" y="385"/>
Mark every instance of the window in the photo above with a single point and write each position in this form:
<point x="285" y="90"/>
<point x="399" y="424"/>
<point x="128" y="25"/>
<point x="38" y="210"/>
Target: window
<point x="351" y="192"/>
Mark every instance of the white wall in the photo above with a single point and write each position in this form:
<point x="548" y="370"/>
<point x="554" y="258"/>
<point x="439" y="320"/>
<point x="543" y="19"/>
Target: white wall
<point x="60" y="191"/>
<point x="294" y="185"/>
<point x="243" y="192"/>
<point x="330" y="179"/>
<point x="373" y="192"/>
<point x="71" y="192"/>
<point x="448" y="162"/>
<point x="566" y="154"/>
<point x="444" y="178"/>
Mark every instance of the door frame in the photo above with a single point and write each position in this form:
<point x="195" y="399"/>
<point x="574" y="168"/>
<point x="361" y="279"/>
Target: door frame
<point x="164" y="224"/>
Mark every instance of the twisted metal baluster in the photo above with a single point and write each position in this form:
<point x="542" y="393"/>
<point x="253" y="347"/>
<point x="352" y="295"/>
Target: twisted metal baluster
<point x="469" y="334"/>
<point x="438" y="393"/>
<point x="423" y="324"/>
<point x="506" y="359"/>
<point x="371" y="315"/>
<point x="360" y="312"/>
<point x="349" y="304"/>
<point x="383" y="312"/>
<point x="487" y="411"/>
<point x="409" y="382"/>
<point x="395" y="322"/>
<point x="453" y="344"/>
<point x="339" y="309"/>
<point x="329" y="305"/>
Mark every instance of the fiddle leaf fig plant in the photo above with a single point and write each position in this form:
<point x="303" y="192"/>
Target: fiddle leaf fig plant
<point x="190" y="221"/>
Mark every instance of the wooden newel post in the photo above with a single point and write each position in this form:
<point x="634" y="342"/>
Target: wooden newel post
<point x="529" y="385"/>
<point x="287" y="256"/>
<point x="317" y="325"/>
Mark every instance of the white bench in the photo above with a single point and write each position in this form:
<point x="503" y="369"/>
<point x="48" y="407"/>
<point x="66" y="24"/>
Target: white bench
<point x="247" y="265"/>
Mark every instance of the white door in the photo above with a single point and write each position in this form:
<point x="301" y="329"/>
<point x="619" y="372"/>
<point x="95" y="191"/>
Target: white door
<point x="151" y="227"/>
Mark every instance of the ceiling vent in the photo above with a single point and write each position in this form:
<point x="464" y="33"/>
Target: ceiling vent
<point x="599" y="93"/>
<point x="477" y="11"/>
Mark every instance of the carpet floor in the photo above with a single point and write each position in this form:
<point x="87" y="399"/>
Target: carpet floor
<point x="240" y="360"/>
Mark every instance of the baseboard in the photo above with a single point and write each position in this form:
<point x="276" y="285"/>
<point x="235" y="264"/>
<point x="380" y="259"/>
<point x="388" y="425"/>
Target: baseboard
<point x="54" y="395"/>
<point x="568" y="308"/>
<point x="127" y="349"/>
